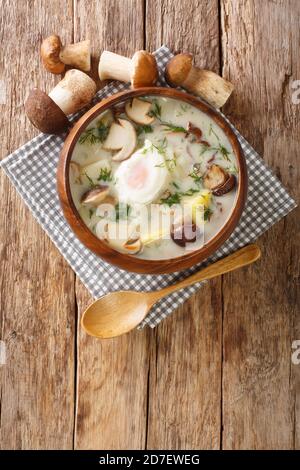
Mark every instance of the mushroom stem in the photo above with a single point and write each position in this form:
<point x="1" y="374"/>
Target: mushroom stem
<point x="73" y="92"/>
<point x="77" y="55"/>
<point x="209" y="86"/>
<point x="114" y="66"/>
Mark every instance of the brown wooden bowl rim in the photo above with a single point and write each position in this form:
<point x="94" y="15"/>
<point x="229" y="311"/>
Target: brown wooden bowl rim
<point x="129" y="262"/>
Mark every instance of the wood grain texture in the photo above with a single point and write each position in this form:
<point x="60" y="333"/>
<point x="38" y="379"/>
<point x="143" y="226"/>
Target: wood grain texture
<point x="185" y="367"/>
<point x="162" y="388"/>
<point x="260" y="384"/>
<point x="37" y="286"/>
<point x="112" y="375"/>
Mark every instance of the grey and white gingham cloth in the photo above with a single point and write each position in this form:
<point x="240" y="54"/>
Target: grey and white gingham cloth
<point x="32" y="169"/>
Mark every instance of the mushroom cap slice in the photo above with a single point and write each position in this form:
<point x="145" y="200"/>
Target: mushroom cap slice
<point x="226" y="187"/>
<point x="215" y="177"/>
<point x="50" y="49"/>
<point x="122" y="137"/>
<point x="144" y="69"/>
<point x="44" y="113"/>
<point x="94" y="196"/>
<point x="137" y="110"/>
<point x="178" y="69"/>
<point x="74" y="91"/>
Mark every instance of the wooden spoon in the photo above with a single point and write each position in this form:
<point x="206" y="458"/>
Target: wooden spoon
<point x="119" y="312"/>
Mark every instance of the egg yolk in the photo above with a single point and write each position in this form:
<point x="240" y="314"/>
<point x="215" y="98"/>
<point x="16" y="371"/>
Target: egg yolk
<point x="138" y="176"/>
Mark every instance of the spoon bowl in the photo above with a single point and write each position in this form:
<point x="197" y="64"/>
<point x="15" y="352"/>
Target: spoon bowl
<point x="115" y="314"/>
<point x="119" y="312"/>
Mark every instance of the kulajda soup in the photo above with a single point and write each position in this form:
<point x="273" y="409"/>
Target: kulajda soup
<point x="154" y="177"/>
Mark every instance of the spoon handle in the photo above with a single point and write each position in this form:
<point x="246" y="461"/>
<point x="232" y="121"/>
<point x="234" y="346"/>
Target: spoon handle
<point x="242" y="257"/>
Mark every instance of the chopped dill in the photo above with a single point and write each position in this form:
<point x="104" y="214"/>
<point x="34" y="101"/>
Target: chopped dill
<point x="95" y="134"/>
<point x="207" y="213"/>
<point x="175" y="198"/>
<point x="211" y="131"/>
<point x="122" y="211"/>
<point x="155" y="111"/>
<point x="105" y="175"/>
<point x="173" y="127"/>
<point x="146" y="129"/>
<point x="196" y="177"/>
<point x="91" y="182"/>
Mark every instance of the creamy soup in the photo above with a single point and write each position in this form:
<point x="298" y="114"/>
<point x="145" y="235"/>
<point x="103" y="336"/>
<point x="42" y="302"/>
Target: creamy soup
<point x="154" y="177"/>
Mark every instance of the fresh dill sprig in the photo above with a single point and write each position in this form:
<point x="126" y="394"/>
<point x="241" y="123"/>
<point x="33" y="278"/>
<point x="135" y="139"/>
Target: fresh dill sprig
<point x="95" y="134"/>
<point x="122" y="211"/>
<point x="91" y="182"/>
<point x="146" y="129"/>
<point x="224" y="152"/>
<point x="175" y="198"/>
<point x="196" y="177"/>
<point x="173" y="127"/>
<point x="155" y="111"/>
<point x="211" y="131"/>
<point x="105" y="175"/>
<point x="207" y="213"/>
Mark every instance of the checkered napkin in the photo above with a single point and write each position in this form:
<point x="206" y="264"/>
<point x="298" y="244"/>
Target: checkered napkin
<point x="32" y="169"/>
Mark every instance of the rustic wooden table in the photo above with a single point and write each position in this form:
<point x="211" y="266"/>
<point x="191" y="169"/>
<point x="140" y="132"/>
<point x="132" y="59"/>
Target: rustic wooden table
<point x="218" y="372"/>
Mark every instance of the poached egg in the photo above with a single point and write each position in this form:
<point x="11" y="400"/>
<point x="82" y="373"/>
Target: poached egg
<point x="143" y="177"/>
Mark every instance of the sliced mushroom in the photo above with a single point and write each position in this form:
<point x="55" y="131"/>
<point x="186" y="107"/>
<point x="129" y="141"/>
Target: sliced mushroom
<point x="133" y="246"/>
<point x="122" y="137"/>
<point x="76" y="172"/>
<point x="137" y="110"/>
<point x="195" y="131"/>
<point x="49" y="112"/>
<point x="214" y="177"/>
<point x="225" y="187"/>
<point x="183" y="233"/>
<point x="120" y="235"/>
<point x="94" y="196"/>
<point x="55" y="56"/>
<point x="218" y="180"/>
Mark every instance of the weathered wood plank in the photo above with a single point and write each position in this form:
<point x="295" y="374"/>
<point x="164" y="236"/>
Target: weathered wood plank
<point x="112" y="374"/>
<point x="37" y="287"/>
<point x="185" y="368"/>
<point x="259" y="382"/>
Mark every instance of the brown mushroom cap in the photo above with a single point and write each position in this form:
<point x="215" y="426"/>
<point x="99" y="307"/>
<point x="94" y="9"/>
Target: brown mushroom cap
<point x="44" y="113"/>
<point x="50" y="49"/>
<point x="144" y="69"/>
<point x="178" y="68"/>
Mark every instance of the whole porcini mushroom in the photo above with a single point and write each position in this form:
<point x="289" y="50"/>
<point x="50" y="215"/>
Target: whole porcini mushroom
<point x="140" y="71"/>
<point x="204" y="83"/>
<point x="49" y="112"/>
<point x="55" y="57"/>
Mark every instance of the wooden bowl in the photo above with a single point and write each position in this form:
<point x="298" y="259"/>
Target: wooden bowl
<point x="131" y="263"/>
